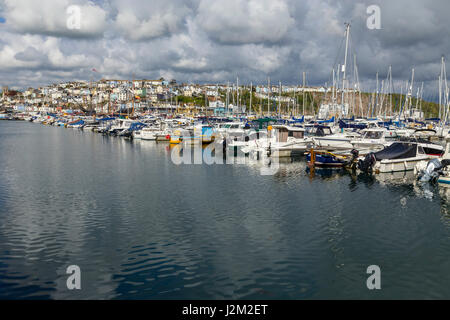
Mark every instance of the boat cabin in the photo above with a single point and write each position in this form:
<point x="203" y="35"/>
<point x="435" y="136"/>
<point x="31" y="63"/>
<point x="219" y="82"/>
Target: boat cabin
<point x="318" y="131"/>
<point x="284" y="132"/>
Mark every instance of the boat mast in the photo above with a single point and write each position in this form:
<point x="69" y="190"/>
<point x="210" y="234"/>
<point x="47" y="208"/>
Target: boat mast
<point x="344" y="67"/>
<point x="333" y="88"/>
<point x="421" y="98"/>
<point x="304" y="81"/>
<point x="279" y="100"/>
<point x="376" y="99"/>
<point x="132" y="110"/>
<point x="411" y="91"/>
<point x="390" y="90"/>
<point x="237" y="93"/>
<point x="251" y="94"/>
<point x="268" y="96"/>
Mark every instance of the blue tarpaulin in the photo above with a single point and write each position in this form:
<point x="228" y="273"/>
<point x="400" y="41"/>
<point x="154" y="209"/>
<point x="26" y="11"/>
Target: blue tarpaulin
<point x="326" y="121"/>
<point x="137" y="126"/>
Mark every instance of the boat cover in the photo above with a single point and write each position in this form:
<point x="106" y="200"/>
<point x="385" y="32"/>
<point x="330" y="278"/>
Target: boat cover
<point x="397" y="151"/>
<point x="342" y="124"/>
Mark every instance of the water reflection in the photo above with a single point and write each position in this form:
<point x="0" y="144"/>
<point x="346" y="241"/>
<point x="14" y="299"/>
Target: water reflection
<point x="142" y="227"/>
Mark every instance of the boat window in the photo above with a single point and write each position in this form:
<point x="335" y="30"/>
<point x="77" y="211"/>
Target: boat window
<point x="373" y="135"/>
<point x="282" y="136"/>
<point x="320" y="132"/>
<point x="420" y="150"/>
<point x="297" y="134"/>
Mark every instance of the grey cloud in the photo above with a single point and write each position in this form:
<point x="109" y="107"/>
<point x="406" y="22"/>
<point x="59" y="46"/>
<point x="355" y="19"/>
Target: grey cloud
<point x="31" y="54"/>
<point x="217" y="41"/>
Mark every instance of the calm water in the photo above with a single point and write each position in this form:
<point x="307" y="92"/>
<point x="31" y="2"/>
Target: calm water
<point x="141" y="227"/>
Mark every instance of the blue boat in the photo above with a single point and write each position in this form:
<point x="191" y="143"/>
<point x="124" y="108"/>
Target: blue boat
<point x="326" y="159"/>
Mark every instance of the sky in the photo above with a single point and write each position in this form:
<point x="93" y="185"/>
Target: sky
<point x="218" y="41"/>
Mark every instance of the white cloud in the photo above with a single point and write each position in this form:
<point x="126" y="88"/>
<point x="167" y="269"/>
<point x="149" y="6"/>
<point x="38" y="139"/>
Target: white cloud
<point x="217" y="40"/>
<point x="245" y="21"/>
<point x="137" y="20"/>
<point x="49" y="17"/>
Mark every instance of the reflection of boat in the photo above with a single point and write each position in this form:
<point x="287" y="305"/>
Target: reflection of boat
<point x="396" y="178"/>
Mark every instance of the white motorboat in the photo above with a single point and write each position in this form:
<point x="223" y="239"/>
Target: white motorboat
<point x="149" y="133"/>
<point x="399" y="156"/>
<point x="324" y="138"/>
<point x="374" y="139"/>
<point x="281" y="141"/>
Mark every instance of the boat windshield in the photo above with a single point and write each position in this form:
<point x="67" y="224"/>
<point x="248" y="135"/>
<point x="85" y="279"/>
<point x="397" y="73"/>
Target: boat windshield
<point x="373" y="135"/>
<point x="296" y="134"/>
<point x="318" y="131"/>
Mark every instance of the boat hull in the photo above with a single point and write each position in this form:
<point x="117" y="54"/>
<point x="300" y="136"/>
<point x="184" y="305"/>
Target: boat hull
<point x="386" y="166"/>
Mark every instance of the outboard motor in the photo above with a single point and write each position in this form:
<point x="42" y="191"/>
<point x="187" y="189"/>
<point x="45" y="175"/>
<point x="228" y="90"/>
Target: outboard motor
<point x="433" y="170"/>
<point x="352" y="163"/>
<point x="367" y="164"/>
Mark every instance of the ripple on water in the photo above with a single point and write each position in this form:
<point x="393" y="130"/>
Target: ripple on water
<point x="140" y="227"/>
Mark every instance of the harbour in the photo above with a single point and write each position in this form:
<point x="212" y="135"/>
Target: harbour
<point x="139" y="227"/>
<point x="224" y="156"/>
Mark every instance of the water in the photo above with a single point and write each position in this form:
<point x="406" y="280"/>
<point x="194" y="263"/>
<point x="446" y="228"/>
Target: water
<point x="141" y="227"/>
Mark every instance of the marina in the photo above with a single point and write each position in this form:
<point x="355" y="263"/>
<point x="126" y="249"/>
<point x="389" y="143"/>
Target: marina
<point x="190" y="204"/>
<point x="224" y="156"/>
<point x="139" y="226"/>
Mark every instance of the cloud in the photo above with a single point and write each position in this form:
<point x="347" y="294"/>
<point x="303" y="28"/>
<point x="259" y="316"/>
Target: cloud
<point x="139" y="20"/>
<point x="49" y="17"/>
<point x="242" y="21"/>
<point x="219" y="40"/>
<point x="30" y="54"/>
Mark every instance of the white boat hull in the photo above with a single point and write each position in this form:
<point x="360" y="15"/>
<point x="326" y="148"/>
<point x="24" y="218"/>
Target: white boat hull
<point x="386" y="166"/>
